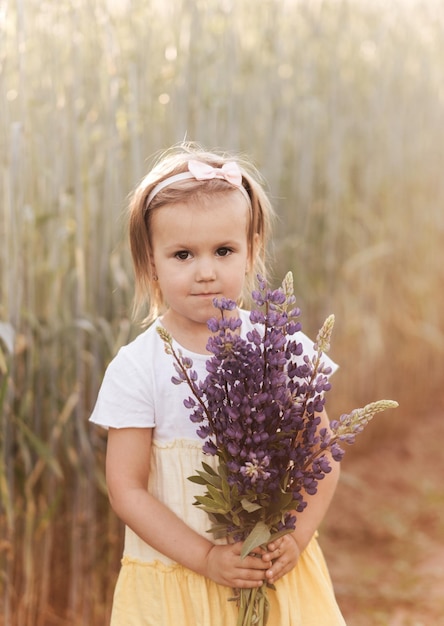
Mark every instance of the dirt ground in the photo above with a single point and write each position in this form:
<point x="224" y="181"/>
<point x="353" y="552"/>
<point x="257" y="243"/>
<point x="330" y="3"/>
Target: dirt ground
<point x="384" y="534"/>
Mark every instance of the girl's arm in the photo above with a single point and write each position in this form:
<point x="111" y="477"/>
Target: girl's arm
<point x="285" y="551"/>
<point x="127" y="471"/>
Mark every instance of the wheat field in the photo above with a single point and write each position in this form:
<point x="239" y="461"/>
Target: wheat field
<point x="340" y="105"/>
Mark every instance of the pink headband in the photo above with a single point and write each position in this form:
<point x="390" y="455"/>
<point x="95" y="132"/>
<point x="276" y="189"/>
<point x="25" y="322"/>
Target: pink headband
<point x="202" y="171"/>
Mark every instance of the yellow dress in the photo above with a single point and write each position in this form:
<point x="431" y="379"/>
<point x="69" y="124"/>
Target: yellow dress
<point x="152" y="590"/>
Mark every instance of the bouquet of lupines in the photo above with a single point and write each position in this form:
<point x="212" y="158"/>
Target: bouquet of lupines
<point x="258" y="412"/>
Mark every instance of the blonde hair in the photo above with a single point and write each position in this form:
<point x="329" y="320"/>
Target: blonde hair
<point x="175" y="161"/>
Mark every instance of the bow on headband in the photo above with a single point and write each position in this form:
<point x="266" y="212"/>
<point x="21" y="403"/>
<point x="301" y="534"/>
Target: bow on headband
<point x="229" y="171"/>
<point x="199" y="170"/>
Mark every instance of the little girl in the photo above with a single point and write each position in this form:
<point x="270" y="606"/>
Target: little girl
<point x="198" y="229"/>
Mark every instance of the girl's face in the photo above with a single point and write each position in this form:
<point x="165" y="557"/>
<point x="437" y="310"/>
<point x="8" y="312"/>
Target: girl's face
<point x="200" y="252"/>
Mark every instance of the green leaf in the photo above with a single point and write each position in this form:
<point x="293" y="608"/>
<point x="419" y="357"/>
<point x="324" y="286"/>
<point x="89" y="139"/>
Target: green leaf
<point x="259" y="535"/>
<point x="250" y="506"/>
<point x="209" y="469"/>
<point x="219" y="531"/>
<point x="209" y="505"/>
<point x="197" y="479"/>
<point x="236" y="519"/>
<point x="226" y="490"/>
<point x="211" y="479"/>
<point x="217" y="495"/>
<point x="220" y="519"/>
<point x="223" y="472"/>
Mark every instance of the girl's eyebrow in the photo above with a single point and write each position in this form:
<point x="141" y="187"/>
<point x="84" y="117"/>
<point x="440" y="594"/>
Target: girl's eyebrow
<point x="222" y="244"/>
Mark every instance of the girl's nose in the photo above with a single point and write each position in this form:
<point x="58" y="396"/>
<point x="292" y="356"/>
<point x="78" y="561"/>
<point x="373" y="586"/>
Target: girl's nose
<point x="205" y="270"/>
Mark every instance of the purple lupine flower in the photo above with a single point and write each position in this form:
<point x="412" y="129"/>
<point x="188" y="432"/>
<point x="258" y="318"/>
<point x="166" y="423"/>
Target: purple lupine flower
<point x="258" y="413"/>
<point x="251" y="390"/>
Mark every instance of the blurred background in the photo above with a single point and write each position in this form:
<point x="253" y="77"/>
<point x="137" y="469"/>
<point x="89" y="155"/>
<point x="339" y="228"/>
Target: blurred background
<point x="340" y="104"/>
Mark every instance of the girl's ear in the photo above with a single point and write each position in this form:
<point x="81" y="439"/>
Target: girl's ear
<point x="153" y="268"/>
<point x="254" y="252"/>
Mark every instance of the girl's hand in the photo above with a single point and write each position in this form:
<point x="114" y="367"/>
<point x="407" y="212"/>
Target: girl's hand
<point x="281" y="557"/>
<point x="226" y="567"/>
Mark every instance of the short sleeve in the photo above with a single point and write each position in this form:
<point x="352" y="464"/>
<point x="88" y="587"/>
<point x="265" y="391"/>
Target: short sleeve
<point x="125" y="399"/>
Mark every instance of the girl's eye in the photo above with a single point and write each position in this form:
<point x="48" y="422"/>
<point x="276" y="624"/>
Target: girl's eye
<point x="224" y="251"/>
<point x="182" y="255"/>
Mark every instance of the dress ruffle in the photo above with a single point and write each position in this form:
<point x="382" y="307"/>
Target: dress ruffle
<point x="156" y="594"/>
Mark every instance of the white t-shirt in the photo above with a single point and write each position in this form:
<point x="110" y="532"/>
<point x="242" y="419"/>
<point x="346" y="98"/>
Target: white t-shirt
<point x="137" y="390"/>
